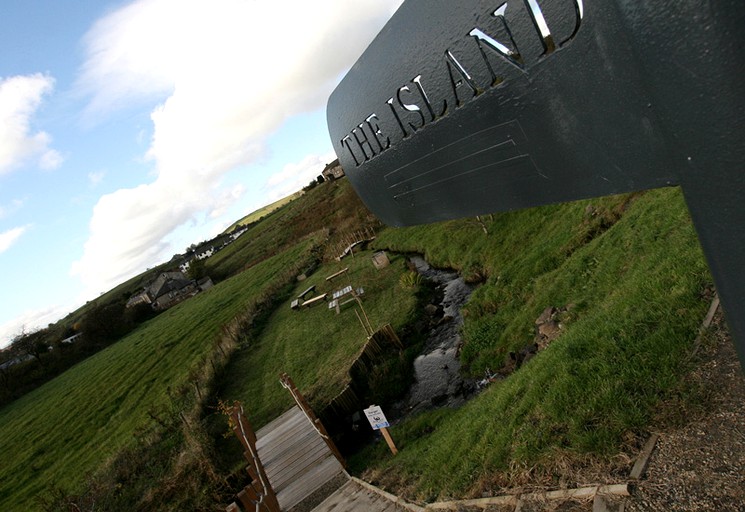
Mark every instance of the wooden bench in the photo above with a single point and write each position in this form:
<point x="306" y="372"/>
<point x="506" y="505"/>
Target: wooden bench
<point x="306" y="292"/>
<point x="337" y="274"/>
<point x="315" y="300"/>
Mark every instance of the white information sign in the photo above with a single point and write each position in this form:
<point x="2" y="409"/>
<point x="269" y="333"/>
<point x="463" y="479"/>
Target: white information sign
<point x="376" y="417"/>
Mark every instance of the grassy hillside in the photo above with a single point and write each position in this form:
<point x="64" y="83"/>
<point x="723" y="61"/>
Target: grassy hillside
<point x="332" y="208"/>
<point x="632" y="274"/>
<point x="262" y="212"/>
<point x="625" y="272"/>
<point x="57" y="434"/>
<point x="291" y="337"/>
<point x="119" y="405"/>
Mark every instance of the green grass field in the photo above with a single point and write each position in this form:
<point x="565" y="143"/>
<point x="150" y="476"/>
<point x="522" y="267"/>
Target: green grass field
<point x="631" y="267"/>
<point x="262" y="212"/>
<point x="57" y="434"/>
<point x="315" y="346"/>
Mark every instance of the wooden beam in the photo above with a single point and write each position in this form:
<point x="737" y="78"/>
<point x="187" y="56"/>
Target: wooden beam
<point x="337" y="274"/>
<point x="641" y="462"/>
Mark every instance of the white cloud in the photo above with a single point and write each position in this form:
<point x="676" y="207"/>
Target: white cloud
<point x="20" y="98"/>
<point x="8" y="238"/>
<point x="233" y="71"/>
<point x="295" y="176"/>
<point x="10" y="209"/>
<point x="96" y="177"/>
<point x="226" y="198"/>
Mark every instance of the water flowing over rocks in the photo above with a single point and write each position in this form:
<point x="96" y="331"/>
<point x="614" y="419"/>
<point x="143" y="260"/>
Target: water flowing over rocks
<point x="437" y="369"/>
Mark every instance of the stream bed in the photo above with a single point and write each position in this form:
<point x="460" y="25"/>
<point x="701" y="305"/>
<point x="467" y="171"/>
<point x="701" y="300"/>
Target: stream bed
<point x="438" y="382"/>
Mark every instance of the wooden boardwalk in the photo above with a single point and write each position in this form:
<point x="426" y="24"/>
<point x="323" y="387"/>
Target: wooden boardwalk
<point x="352" y="497"/>
<point x="296" y="459"/>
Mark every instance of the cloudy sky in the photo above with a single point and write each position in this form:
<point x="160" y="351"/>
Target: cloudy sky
<point x="130" y="130"/>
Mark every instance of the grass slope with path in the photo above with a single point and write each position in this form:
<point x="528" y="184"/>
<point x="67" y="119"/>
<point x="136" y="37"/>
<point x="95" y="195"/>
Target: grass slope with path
<point x="58" y="434"/>
<point x="626" y="273"/>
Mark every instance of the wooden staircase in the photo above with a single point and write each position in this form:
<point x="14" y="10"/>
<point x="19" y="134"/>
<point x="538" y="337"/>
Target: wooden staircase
<point x="295" y="457"/>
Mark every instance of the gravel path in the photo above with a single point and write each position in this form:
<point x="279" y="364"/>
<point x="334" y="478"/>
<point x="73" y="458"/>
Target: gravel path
<point x="700" y="465"/>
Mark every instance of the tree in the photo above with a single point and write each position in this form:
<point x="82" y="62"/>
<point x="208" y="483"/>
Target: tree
<point x="197" y="269"/>
<point x="34" y="344"/>
<point x="104" y="323"/>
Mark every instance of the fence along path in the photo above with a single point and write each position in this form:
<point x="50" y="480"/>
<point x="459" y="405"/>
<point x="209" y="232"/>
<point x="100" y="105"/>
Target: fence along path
<point x="296" y="459"/>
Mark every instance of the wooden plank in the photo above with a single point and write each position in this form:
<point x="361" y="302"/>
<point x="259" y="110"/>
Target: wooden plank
<point x="341" y="293"/>
<point x="299" y="469"/>
<point x="641" y="462"/>
<point x="276" y="422"/>
<point x="303" y="487"/>
<point x="289" y="459"/>
<point x="315" y="300"/>
<point x="296" y="459"/>
<point x="297" y="437"/>
<point x="307" y="291"/>
<point x="388" y="496"/>
<point x="265" y="437"/>
<point x="285" y="459"/>
<point x="337" y="274"/>
<point x="353" y="497"/>
<point x="279" y="454"/>
<point x="291" y="428"/>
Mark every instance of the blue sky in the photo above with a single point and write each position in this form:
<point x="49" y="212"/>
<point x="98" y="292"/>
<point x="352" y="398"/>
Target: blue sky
<point x="129" y="130"/>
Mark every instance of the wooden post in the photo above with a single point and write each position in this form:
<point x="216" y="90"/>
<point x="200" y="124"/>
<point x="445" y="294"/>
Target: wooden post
<point x="288" y="383"/>
<point x="260" y="493"/>
<point x="389" y="440"/>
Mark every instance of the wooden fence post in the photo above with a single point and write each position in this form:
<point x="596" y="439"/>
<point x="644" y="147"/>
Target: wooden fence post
<point x="259" y="495"/>
<point x="317" y="424"/>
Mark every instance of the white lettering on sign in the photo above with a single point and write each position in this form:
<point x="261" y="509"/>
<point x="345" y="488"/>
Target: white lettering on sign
<point x="376" y="417"/>
<point x="408" y="105"/>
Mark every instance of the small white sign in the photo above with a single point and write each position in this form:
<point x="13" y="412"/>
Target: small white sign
<point x="376" y="417"/>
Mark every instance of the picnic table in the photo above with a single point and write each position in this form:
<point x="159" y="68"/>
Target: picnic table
<point x="310" y="289"/>
<point x="338" y="295"/>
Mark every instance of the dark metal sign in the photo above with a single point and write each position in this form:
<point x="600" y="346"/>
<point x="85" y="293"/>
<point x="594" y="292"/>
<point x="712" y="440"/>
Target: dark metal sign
<point x="469" y="107"/>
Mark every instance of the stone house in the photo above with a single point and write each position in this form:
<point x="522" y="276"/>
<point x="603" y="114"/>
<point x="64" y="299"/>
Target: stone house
<point x="333" y="171"/>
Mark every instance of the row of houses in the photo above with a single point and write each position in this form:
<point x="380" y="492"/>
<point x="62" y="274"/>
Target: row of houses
<point x="205" y="253"/>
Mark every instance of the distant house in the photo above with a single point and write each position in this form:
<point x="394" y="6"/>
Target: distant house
<point x="140" y="298"/>
<point x="170" y="288"/>
<point x="237" y="233"/>
<point x="332" y="171"/>
<point x="205" y="284"/>
<point x="205" y="254"/>
<point x="74" y="337"/>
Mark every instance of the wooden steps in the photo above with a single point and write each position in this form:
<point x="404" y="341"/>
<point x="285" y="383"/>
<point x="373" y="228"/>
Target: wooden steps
<point x="352" y="497"/>
<point x="296" y="459"/>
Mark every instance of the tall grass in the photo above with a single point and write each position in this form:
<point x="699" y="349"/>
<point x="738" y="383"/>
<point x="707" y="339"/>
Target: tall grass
<point x="635" y="282"/>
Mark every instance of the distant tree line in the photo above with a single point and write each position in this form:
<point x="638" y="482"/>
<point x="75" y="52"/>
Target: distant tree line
<point x="36" y="357"/>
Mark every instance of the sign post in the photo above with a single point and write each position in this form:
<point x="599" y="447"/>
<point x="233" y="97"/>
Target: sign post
<point x="459" y="109"/>
<point x="378" y="421"/>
